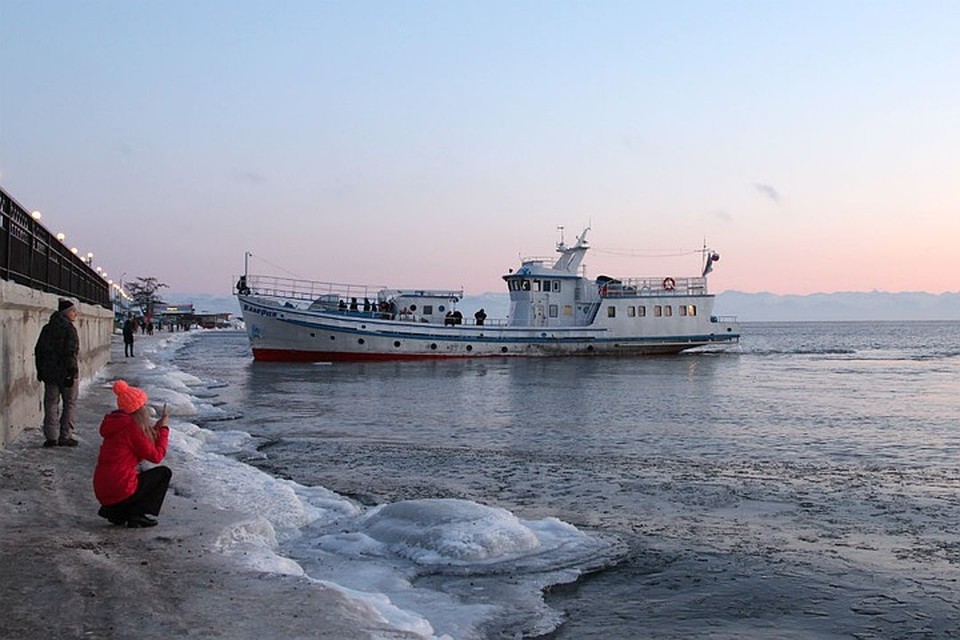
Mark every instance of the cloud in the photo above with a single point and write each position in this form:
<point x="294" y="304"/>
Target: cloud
<point x="250" y="177"/>
<point x="768" y="191"/>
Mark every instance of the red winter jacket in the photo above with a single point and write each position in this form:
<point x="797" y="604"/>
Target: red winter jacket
<point x="124" y="446"/>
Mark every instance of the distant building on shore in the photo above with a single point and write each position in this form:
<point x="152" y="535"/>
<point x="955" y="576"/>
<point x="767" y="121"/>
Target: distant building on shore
<point x="183" y="316"/>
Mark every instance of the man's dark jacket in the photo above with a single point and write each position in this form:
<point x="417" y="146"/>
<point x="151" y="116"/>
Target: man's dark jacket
<point x="56" y="352"/>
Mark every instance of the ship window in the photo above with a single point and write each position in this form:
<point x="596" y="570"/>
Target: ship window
<point x="641" y="311"/>
<point x="413" y="307"/>
<point x="428" y="309"/>
<point x="631" y="312"/>
<point x="441" y="308"/>
<point x="556" y="285"/>
<point x="657" y="310"/>
<point x="667" y="310"/>
<point x="539" y="286"/>
<point x="611" y="311"/>
<point x="554" y="311"/>
<point x="568" y="309"/>
<point x="691" y="309"/>
<point x="525" y="285"/>
<point x="682" y="309"/>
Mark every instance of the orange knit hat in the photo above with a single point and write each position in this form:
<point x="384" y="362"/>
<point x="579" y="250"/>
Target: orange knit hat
<point x="129" y="399"/>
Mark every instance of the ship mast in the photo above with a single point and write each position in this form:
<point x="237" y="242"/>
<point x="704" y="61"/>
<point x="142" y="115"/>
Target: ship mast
<point x="571" y="257"/>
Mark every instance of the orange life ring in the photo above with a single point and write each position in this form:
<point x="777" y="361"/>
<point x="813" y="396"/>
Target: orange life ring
<point x="669" y="283"/>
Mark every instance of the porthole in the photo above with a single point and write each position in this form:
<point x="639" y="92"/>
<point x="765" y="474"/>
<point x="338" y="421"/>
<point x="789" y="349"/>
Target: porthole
<point x="360" y="341"/>
<point x="396" y="343"/>
<point x="503" y="349"/>
<point x="469" y="347"/>
<point x="433" y="345"/>
<point x="590" y="348"/>
<point x="413" y="307"/>
<point x="313" y="335"/>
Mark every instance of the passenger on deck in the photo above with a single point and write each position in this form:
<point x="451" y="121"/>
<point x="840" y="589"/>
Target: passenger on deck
<point x="242" y="287"/>
<point x="366" y="305"/>
<point x="480" y="316"/>
<point x="353" y="304"/>
<point x="457" y="317"/>
<point x="342" y="305"/>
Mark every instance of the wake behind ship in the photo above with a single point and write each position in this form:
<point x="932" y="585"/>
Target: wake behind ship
<point x="555" y="310"/>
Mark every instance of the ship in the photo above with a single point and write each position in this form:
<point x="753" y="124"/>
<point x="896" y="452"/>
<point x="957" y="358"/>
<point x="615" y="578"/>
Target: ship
<point x="555" y="310"/>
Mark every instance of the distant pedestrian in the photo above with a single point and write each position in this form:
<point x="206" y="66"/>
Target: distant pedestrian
<point x="129" y="496"/>
<point x="128" y="328"/>
<point x="56" y="354"/>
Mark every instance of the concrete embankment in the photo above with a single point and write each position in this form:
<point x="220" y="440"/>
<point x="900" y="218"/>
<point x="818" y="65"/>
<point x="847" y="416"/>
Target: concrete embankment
<point x="23" y="312"/>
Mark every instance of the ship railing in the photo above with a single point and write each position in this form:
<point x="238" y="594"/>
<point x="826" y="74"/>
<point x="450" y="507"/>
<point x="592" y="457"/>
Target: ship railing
<point x="658" y="285"/>
<point x="305" y="290"/>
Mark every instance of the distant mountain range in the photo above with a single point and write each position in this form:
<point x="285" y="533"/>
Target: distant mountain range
<point x="748" y="307"/>
<point x="873" y="305"/>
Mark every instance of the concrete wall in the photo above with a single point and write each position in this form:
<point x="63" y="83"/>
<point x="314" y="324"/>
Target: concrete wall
<point x="23" y="312"/>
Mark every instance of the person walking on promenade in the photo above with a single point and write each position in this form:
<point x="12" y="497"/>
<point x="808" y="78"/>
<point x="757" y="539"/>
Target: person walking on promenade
<point x="129" y="496"/>
<point x="128" y="328"/>
<point x="56" y="354"/>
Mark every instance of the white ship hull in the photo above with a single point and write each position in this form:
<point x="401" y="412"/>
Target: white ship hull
<point x="555" y="310"/>
<point x="282" y="334"/>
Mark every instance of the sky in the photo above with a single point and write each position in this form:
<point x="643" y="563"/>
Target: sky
<point x="814" y="145"/>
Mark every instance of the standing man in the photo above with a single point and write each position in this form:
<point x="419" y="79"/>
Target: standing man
<point x="56" y="353"/>
<point x="128" y="328"/>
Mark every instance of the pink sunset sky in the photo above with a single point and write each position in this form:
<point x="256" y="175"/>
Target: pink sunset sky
<point x="814" y="145"/>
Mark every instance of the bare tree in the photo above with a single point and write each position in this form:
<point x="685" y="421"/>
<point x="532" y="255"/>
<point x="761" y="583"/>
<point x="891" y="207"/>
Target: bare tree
<point x="145" y="294"/>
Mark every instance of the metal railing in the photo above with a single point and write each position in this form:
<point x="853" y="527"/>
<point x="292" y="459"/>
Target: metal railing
<point x="306" y="290"/>
<point x="32" y="256"/>
<point x="630" y="287"/>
